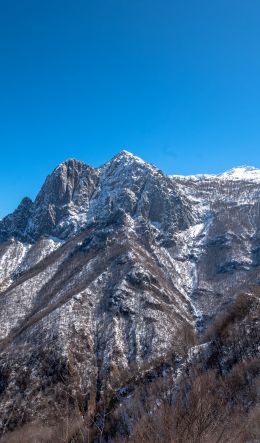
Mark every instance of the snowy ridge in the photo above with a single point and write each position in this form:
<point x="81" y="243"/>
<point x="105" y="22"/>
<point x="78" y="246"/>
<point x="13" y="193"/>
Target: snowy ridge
<point x="107" y="264"/>
<point x="246" y="173"/>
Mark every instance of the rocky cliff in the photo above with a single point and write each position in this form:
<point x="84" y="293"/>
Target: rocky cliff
<point x="105" y="266"/>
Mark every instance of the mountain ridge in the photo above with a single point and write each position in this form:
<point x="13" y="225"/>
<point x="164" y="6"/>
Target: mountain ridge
<point x="248" y="173"/>
<point x="105" y="267"/>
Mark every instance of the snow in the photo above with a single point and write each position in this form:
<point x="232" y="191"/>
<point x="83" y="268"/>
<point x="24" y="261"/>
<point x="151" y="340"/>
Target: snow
<point x="130" y="157"/>
<point x="123" y="299"/>
<point x="127" y="183"/>
<point x="246" y="173"/>
<point x="11" y="259"/>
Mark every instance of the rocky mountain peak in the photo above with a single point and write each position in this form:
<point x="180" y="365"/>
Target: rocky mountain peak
<point x="15" y="224"/>
<point x="64" y="183"/>
<point x="102" y="270"/>
<point x="128" y="161"/>
<point x="76" y="194"/>
<point x="124" y="154"/>
<point x="59" y="209"/>
<point x="26" y="202"/>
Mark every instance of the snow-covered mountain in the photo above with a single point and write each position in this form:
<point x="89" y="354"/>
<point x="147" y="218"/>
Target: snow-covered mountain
<point x="100" y="271"/>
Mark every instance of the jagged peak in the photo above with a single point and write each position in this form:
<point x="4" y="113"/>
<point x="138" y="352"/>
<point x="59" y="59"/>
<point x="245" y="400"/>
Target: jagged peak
<point x="123" y="157"/>
<point x="71" y="163"/>
<point x="26" y="201"/>
<point x="127" y="156"/>
<point x="124" y="152"/>
<point x="126" y="160"/>
<point x="64" y="171"/>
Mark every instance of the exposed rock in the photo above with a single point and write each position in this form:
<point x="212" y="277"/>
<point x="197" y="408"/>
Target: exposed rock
<point x="100" y="271"/>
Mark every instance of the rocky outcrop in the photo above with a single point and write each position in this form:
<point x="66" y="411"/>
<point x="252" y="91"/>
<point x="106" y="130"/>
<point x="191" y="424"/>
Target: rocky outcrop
<point x="102" y="269"/>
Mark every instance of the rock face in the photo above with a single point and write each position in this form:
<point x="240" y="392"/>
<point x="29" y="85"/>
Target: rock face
<point x="100" y="271"/>
<point x="230" y="256"/>
<point x="60" y="207"/>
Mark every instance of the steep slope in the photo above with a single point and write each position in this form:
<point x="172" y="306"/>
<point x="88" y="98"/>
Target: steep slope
<point x="104" y="298"/>
<point x="230" y="256"/>
<point x="60" y="207"/>
<point x="102" y="269"/>
<point x="212" y="396"/>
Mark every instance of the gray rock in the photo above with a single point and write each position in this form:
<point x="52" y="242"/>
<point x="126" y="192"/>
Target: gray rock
<point x="100" y="271"/>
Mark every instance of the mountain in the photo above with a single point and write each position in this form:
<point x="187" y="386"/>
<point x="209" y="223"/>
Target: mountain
<point x="101" y="271"/>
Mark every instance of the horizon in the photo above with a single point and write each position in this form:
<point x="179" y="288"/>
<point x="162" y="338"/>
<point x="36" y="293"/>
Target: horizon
<point x="234" y="168"/>
<point x="129" y="221"/>
<point x="177" y="84"/>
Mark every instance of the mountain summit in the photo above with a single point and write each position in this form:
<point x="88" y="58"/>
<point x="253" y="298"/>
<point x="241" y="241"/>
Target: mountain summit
<point x="105" y="266"/>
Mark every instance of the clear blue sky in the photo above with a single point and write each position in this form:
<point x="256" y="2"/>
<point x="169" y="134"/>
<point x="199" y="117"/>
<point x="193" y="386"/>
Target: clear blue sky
<point x="176" y="82"/>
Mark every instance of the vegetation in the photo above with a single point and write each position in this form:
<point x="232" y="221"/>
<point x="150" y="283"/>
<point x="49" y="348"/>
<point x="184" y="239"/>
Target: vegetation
<point x="203" y="391"/>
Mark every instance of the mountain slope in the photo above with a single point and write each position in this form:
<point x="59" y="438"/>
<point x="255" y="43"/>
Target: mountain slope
<point x="105" y="266"/>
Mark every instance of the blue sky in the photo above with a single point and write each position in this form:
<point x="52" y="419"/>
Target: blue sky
<point x="175" y="82"/>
